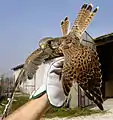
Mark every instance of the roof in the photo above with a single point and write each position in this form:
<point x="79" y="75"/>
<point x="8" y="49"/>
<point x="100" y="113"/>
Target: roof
<point x="104" y="36"/>
<point x="89" y="35"/>
<point x="107" y="38"/>
<point x="18" y="67"/>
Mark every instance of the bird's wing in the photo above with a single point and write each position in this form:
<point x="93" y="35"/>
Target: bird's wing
<point x="93" y="81"/>
<point x="67" y="79"/>
<point x="34" y="61"/>
<point x="87" y="74"/>
<point x="82" y="21"/>
<point x="65" y="26"/>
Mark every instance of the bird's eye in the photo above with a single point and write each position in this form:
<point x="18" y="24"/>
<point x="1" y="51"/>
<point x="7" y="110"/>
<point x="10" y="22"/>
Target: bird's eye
<point x="54" y="44"/>
<point x="49" y="42"/>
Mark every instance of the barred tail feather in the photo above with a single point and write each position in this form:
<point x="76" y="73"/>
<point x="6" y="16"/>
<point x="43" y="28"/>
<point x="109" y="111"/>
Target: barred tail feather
<point x="96" y="99"/>
<point x="97" y="93"/>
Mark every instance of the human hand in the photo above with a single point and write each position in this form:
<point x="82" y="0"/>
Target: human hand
<point x="51" y="83"/>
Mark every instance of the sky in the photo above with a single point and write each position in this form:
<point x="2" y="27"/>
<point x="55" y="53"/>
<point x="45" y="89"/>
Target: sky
<point x="24" y="22"/>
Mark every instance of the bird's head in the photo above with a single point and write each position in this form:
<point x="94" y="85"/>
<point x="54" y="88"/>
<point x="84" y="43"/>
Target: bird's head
<point x="49" y="42"/>
<point x="45" y="42"/>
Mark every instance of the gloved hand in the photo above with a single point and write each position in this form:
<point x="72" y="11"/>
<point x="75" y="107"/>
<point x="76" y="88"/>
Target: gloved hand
<point x="48" y="77"/>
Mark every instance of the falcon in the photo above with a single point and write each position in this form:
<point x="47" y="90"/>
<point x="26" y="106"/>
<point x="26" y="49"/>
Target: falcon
<point x="81" y="63"/>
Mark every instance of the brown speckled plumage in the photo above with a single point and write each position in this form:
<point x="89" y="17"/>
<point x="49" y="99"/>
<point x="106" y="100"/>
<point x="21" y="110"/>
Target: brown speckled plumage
<point x="81" y="63"/>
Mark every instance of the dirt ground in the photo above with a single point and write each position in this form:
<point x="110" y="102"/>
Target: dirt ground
<point x="108" y="105"/>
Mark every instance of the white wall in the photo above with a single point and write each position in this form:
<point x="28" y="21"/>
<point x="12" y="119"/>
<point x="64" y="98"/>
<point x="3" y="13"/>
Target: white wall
<point x="74" y="96"/>
<point x="27" y="86"/>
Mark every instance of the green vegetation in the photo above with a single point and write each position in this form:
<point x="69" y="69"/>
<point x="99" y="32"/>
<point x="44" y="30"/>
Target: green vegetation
<point x="62" y="112"/>
<point x="52" y="112"/>
<point x="18" y="101"/>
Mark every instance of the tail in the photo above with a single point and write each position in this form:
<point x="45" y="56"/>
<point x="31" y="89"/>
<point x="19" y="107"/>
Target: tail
<point x="82" y="21"/>
<point x="96" y="97"/>
<point x="65" y="26"/>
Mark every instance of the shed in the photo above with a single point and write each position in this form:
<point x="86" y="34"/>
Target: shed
<point x="27" y="86"/>
<point x="104" y="45"/>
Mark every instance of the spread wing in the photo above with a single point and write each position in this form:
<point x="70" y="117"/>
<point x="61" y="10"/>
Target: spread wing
<point x="87" y="73"/>
<point x="33" y="61"/>
<point x="93" y="81"/>
<point x="65" y="26"/>
<point x="84" y="68"/>
<point x="82" y="21"/>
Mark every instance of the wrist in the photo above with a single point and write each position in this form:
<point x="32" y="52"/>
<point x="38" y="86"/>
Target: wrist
<point x="43" y="100"/>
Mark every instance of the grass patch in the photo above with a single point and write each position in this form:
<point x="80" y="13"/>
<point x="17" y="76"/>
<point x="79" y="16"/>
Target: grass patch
<point x="52" y="112"/>
<point x="18" y="102"/>
<point x="63" y="112"/>
<point x="21" y="100"/>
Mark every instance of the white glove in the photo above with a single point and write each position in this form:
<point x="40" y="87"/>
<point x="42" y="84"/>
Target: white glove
<point x="49" y="82"/>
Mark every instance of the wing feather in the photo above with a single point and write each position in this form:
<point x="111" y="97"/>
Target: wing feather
<point x="65" y="26"/>
<point x="87" y="75"/>
<point x="34" y="61"/>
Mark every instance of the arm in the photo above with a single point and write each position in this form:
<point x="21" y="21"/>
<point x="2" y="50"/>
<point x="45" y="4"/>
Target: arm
<point x="54" y="95"/>
<point x="33" y="110"/>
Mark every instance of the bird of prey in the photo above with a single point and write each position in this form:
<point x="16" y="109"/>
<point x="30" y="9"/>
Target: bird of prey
<point x="81" y="63"/>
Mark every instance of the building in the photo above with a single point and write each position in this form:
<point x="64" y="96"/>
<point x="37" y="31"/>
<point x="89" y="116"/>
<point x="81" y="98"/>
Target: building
<point x="77" y="96"/>
<point x="105" y="50"/>
<point x="27" y="86"/>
